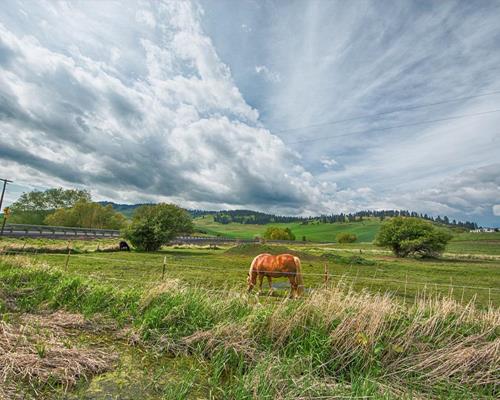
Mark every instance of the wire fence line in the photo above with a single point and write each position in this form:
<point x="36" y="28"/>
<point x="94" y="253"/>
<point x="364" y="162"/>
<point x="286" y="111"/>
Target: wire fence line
<point x="401" y="283"/>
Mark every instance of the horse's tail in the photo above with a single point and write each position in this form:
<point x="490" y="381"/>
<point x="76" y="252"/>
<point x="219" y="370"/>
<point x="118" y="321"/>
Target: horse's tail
<point x="298" y="276"/>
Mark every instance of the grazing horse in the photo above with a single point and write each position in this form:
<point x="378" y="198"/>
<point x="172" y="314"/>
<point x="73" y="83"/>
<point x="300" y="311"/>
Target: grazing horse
<point x="124" y="246"/>
<point x="276" y="266"/>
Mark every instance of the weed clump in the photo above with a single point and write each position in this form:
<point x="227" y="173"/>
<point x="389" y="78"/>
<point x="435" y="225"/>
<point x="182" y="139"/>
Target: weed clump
<point x="37" y="351"/>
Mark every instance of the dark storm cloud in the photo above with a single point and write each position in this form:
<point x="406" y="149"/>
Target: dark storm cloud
<point x="6" y="55"/>
<point x="69" y="173"/>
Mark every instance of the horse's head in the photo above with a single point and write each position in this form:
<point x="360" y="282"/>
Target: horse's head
<point x="251" y="280"/>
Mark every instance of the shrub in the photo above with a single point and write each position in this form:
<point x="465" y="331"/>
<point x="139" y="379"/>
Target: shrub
<point x="275" y="233"/>
<point x="412" y="236"/>
<point x="154" y="226"/>
<point x="346" y="237"/>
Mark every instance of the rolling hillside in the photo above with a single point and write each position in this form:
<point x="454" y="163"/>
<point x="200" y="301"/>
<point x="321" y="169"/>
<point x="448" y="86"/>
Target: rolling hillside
<point x="318" y="232"/>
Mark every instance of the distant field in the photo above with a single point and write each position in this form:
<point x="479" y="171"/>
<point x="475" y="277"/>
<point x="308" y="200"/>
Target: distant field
<point x="462" y="243"/>
<point x="365" y="230"/>
<point x="475" y="243"/>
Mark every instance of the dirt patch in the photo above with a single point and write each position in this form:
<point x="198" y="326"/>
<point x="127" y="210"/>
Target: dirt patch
<point x="349" y="260"/>
<point x="254" y="249"/>
<point x="37" y="351"/>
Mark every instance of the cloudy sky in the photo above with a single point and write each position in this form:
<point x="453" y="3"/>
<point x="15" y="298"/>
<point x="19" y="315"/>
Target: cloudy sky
<point x="296" y="107"/>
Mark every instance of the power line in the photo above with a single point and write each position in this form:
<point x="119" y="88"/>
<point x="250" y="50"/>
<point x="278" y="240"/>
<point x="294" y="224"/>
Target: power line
<point x="395" y="126"/>
<point x="415" y="107"/>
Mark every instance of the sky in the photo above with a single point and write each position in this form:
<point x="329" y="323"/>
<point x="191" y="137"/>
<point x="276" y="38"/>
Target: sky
<point x="296" y="107"/>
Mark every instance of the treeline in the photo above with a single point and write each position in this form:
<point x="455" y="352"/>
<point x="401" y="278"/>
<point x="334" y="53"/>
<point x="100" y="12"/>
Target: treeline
<point x="246" y="217"/>
<point x="382" y="214"/>
<point x="76" y="208"/>
<point x="259" y="218"/>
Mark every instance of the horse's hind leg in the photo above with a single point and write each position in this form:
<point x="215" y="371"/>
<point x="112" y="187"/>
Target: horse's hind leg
<point x="270" y="282"/>
<point x="293" y="287"/>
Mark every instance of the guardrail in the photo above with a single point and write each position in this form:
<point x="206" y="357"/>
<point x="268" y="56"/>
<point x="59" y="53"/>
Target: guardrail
<point x="61" y="232"/>
<point x="25" y="230"/>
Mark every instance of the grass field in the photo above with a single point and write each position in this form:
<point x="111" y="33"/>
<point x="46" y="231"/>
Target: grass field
<point x="197" y="335"/>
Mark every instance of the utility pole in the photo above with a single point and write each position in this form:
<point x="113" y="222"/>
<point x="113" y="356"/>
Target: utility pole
<point x="5" y="181"/>
<point x="6" y="212"/>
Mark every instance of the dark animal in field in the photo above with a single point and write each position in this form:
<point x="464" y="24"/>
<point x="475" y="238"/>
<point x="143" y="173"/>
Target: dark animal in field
<point x="124" y="246"/>
<point x="276" y="266"/>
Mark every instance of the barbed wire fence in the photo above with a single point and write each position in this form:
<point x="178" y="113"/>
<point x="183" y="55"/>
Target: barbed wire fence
<point x="165" y="267"/>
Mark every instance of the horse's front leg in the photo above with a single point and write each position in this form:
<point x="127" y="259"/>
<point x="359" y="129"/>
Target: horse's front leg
<point x="270" y="282"/>
<point x="261" y="278"/>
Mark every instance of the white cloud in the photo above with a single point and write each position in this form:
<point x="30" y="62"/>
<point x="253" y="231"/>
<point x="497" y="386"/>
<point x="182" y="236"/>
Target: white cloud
<point x="269" y="75"/>
<point x="145" y="17"/>
<point x="328" y="162"/>
<point x="496" y="210"/>
<point x="180" y="132"/>
<point x="157" y="110"/>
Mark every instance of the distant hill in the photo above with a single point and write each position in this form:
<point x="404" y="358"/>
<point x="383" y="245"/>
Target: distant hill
<point x="125" y="209"/>
<point x="314" y="230"/>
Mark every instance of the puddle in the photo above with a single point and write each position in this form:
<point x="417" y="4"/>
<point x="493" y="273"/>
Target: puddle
<point x="140" y="374"/>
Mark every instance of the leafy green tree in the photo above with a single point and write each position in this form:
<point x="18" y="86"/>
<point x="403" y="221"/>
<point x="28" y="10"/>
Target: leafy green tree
<point x="412" y="236"/>
<point x="86" y="214"/>
<point x="346" y="237"/>
<point x="155" y="225"/>
<point x="275" y="233"/>
<point x="33" y="207"/>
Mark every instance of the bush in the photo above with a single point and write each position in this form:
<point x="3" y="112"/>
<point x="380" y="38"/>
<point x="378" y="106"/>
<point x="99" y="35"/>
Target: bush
<point x="274" y="233"/>
<point x="346" y="237"/>
<point x="154" y="226"/>
<point x="412" y="236"/>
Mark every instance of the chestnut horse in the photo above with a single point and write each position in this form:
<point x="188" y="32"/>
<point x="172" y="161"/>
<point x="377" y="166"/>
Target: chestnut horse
<point x="276" y="266"/>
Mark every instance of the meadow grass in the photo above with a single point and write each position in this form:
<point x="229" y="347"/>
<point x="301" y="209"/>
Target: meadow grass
<point x="463" y="279"/>
<point x="334" y="342"/>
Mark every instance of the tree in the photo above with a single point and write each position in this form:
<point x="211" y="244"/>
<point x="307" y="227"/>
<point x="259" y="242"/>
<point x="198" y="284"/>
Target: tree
<point x="346" y="237"/>
<point x="412" y="236"/>
<point x="275" y="233"/>
<point x="155" y="225"/>
<point x="33" y="207"/>
<point x="86" y="214"/>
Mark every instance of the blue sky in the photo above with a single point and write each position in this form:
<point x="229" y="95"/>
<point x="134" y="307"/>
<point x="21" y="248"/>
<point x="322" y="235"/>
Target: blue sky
<point x="198" y="103"/>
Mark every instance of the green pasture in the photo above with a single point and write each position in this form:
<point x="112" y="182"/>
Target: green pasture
<point x="362" y="266"/>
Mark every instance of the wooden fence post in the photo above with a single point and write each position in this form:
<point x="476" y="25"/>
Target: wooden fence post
<point x="164" y="266"/>
<point x="325" y="276"/>
<point x="67" y="258"/>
